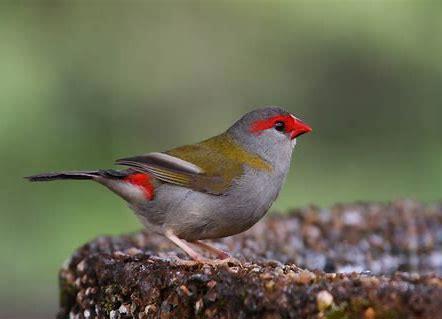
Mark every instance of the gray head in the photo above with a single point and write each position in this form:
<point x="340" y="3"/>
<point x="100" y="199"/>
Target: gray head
<point x="270" y="132"/>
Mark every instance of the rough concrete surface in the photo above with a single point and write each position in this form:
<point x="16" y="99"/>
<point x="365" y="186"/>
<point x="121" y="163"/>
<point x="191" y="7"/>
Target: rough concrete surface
<point x="349" y="261"/>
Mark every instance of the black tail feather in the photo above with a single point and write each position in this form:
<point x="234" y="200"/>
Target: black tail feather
<point x="78" y="175"/>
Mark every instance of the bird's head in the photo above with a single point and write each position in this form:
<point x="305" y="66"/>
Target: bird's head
<point x="270" y="132"/>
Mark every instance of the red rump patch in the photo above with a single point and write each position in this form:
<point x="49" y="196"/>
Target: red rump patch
<point x="143" y="181"/>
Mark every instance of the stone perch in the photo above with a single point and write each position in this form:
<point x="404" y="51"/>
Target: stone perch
<point x="363" y="260"/>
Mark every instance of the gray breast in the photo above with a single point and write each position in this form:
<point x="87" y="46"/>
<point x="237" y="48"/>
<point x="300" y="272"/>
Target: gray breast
<point x="194" y="215"/>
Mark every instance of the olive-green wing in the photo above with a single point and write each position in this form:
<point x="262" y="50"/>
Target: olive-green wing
<point x="173" y="170"/>
<point x="209" y="166"/>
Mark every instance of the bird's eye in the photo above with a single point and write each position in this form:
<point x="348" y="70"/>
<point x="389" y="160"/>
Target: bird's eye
<point x="279" y="126"/>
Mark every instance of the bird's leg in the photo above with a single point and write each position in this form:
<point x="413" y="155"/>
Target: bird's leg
<point x="184" y="246"/>
<point x="197" y="258"/>
<point x="224" y="258"/>
<point x="220" y="254"/>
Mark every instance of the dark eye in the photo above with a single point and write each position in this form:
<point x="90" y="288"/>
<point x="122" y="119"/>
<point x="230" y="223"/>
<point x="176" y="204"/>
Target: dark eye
<point x="279" y="126"/>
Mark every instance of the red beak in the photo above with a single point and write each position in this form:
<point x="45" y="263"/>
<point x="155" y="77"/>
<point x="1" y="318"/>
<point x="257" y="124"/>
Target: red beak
<point x="299" y="128"/>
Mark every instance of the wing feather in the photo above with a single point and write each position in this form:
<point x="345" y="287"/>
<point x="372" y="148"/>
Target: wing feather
<point x="173" y="170"/>
<point x="210" y="166"/>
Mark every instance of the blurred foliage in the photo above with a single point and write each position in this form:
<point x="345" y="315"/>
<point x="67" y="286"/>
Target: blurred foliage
<point x="82" y="84"/>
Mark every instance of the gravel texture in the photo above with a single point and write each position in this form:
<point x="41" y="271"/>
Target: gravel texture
<point x="363" y="260"/>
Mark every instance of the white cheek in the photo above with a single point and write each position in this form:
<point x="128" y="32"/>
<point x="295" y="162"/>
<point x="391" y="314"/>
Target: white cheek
<point x="293" y="142"/>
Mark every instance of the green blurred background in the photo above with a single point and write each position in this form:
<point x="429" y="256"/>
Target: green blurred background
<point x="83" y="83"/>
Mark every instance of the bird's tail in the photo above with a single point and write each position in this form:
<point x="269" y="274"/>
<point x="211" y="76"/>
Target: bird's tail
<point x="116" y="180"/>
<point x="79" y="175"/>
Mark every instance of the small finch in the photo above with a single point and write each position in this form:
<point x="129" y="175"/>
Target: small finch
<point x="216" y="188"/>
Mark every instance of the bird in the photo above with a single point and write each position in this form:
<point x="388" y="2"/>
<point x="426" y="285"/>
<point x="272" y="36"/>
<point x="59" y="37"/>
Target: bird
<point x="216" y="188"/>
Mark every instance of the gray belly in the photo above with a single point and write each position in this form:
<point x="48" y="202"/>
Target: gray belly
<point x="194" y="215"/>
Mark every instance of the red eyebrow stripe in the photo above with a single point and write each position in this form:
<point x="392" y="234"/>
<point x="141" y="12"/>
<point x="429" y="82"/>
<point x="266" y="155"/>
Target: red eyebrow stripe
<point x="143" y="181"/>
<point x="262" y="125"/>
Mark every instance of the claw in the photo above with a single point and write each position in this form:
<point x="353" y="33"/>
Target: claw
<point x="230" y="261"/>
<point x="224" y="258"/>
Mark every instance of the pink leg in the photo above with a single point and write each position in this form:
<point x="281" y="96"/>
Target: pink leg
<point x="225" y="258"/>
<point x="184" y="246"/>
<point x="220" y="254"/>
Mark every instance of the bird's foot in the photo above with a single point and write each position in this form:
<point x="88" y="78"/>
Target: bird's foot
<point x="228" y="261"/>
<point x="198" y="259"/>
<point x="186" y="262"/>
<point x="223" y="255"/>
<point x="206" y="261"/>
<point x="219" y="253"/>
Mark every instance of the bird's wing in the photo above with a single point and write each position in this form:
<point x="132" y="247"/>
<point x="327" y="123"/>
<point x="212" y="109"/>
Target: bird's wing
<point x="209" y="166"/>
<point x="174" y="170"/>
<point x="175" y="167"/>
